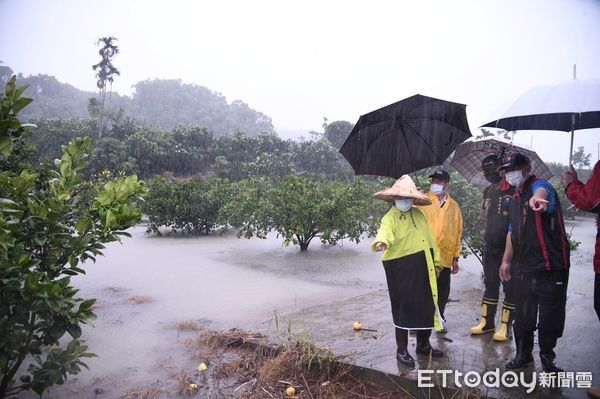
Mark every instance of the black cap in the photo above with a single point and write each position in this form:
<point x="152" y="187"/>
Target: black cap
<point x="515" y="160"/>
<point x="490" y="164"/>
<point x="440" y="174"/>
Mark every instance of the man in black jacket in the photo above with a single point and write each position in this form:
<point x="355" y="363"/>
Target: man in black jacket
<point x="537" y="257"/>
<point x="495" y="209"/>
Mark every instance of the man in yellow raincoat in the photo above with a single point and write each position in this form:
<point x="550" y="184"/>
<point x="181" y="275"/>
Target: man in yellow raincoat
<point x="410" y="260"/>
<point x="446" y="223"/>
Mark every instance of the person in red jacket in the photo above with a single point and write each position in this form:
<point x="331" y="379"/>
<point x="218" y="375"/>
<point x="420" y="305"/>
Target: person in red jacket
<point x="587" y="198"/>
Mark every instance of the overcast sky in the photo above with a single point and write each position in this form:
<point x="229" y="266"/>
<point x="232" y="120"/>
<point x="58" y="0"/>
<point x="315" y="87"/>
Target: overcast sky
<point x="300" y="61"/>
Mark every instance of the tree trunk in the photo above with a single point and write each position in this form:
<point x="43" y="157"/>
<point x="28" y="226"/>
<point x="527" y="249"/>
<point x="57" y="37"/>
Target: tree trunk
<point x="304" y="241"/>
<point x="110" y="96"/>
<point x="101" y="119"/>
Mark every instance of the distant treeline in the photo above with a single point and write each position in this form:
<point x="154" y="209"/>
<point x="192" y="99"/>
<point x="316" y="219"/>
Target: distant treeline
<point x="157" y="103"/>
<point x="130" y="146"/>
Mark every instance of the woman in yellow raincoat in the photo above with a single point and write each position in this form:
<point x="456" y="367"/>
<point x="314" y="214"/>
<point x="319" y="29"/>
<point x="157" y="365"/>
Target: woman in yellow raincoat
<point x="411" y="263"/>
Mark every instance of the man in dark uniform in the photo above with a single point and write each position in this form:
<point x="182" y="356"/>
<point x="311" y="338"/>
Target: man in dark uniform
<point x="495" y="209"/>
<point x="537" y="258"/>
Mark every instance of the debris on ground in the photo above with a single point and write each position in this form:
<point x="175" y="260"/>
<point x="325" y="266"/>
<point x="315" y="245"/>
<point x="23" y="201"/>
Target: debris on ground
<point x="242" y="365"/>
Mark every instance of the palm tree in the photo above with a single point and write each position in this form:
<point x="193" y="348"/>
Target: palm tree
<point x="105" y="73"/>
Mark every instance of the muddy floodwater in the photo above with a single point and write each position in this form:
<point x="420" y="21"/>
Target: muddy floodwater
<point x="149" y="285"/>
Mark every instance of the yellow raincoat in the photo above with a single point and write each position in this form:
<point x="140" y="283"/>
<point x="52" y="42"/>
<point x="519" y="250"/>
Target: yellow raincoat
<point x="407" y="233"/>
<point x="446" y="223"/>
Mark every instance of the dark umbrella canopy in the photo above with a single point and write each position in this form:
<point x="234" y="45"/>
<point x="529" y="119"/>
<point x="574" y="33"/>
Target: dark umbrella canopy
<point x="469" y="155"/>
<point x="411" y="134"/>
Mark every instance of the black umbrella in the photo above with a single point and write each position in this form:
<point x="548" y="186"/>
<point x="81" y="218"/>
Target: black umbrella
<point x="412" y="134"/>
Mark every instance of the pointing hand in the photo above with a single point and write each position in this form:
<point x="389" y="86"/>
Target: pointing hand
<point x="538" y="204"/>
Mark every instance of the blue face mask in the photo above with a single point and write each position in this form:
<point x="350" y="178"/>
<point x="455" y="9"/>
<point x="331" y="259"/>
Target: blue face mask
<point x="437" y="189"/>
<point x="404" y="204"/>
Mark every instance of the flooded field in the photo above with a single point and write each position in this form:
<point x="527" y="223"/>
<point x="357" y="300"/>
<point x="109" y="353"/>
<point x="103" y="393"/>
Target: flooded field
<point x="150" y="285"/>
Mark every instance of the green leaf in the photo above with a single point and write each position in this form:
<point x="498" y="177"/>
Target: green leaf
<point x="5" y="145"/>
<point x="111" y="219"/>
<point x="74" y="330"/>
<point x="40" y="241"/>
<point x="10" y="87"/>
<point x="64" y="196"/>
<point x="106" y="197"/>
<point x="20" y="91"/>
<point x="65" y="167"/>
<point x="21" y="103"/>
<point x="77" y="270"/>
<point x="86" y="305"/>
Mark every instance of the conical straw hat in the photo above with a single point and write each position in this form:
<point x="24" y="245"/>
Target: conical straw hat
<point x="403" y="187"/>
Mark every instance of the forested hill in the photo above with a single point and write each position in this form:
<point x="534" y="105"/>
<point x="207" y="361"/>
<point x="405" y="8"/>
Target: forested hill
<point x="169" y="103"/>
<point x="162" y="103"/>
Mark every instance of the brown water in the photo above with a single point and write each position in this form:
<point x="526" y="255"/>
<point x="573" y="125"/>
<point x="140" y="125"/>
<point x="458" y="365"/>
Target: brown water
<point x="218" y="281"/>
<point x="224" y="282"/>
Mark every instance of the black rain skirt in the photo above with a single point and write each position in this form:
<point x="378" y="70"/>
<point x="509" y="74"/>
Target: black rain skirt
<point x="410" y="292"/>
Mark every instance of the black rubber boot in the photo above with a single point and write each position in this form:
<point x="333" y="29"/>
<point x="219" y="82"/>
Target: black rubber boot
<point x="548" y="363"/>
<point x="423" y="345"/>
<point x="523" y="356"/>
<point x="547" y="355"/>
<point x="402" y="352"/>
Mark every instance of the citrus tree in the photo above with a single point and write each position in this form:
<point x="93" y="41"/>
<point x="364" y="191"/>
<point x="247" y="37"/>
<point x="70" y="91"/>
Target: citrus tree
<point x="192" y="206"/>
<point x="302" y="209"/>
<point x="51" y="222"/>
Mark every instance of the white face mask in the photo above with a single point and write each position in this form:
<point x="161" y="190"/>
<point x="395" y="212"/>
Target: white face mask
<point x="437" y="189"/>
<point x="404" y="204"/>
<point x="514" y="178"/>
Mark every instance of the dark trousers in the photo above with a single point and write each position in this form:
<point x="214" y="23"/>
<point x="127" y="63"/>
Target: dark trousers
<point x="543" y="292"/>
<point x="597" y="295"/>
<point x="443" y="286"/>
<point x="492" y="259"/>
<point x="402" y="338"/>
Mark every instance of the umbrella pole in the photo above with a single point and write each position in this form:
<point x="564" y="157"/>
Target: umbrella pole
<point x="571" y="150"/>
<point x="572" y="119"/>
<point x="572" y="135"/>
